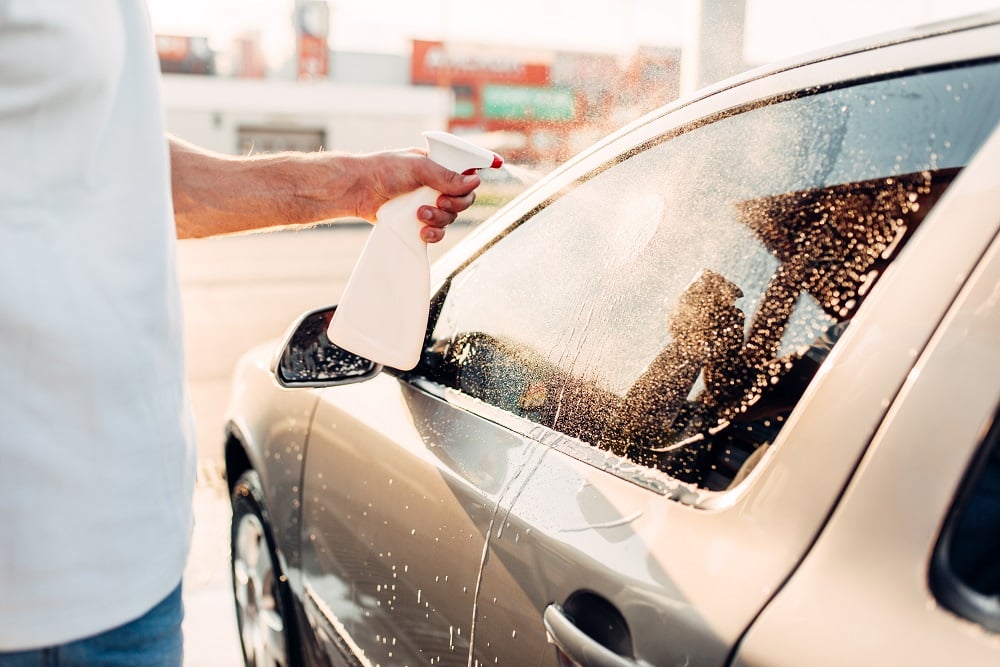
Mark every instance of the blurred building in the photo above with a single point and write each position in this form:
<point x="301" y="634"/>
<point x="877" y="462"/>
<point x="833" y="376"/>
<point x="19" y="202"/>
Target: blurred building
<point x="185" y="54"/>
<point x="312" y="27"/>
<point x="543" y="106"/>
<point x="535" y="106"/>
<point x="714" y="47"/>
<point x="246" y="57"/>
<point x="242" y="116"/>
<point x="385" y="69"/>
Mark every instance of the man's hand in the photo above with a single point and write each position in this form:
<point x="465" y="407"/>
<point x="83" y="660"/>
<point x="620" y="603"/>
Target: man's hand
<point x="386" y="175"/>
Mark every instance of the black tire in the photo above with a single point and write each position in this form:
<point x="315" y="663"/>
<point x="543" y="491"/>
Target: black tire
<point x="264" y="614"/>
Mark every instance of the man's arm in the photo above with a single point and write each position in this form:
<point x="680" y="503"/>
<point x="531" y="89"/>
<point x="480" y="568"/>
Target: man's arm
<point x="219" y="194"/>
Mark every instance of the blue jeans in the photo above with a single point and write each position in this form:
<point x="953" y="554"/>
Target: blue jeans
<point x="152" y="640"/>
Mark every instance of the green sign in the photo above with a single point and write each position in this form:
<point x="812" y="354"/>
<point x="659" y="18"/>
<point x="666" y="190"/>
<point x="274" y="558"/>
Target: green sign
<point x="463" y="109"/>
<point x="527" y="103"/>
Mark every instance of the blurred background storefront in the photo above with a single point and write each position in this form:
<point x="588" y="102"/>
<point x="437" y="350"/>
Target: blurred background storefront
<point x="536" y="106"/>
<point x="542" y="106"/>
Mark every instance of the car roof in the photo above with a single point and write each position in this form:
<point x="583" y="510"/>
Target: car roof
<point x="868" y="43"/>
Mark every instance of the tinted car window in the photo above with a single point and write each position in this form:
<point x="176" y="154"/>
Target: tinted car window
<point x="966" y="572"/>
<point x="673" y="306"/>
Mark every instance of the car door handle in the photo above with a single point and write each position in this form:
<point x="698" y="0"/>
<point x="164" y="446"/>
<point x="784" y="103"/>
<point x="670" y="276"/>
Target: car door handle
<point x="576" y="648"/>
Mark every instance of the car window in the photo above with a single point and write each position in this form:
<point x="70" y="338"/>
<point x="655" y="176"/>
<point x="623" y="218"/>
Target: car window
<point x="672" y="307"/>
<point x="966" y="572"/>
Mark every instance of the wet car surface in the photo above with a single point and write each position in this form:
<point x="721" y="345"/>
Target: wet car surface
<point x="721" y="390"/>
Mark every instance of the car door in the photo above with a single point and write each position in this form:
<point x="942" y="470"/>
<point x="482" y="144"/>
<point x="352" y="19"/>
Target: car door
<point x="653" y="322"/>
<point x="399" y="492"/>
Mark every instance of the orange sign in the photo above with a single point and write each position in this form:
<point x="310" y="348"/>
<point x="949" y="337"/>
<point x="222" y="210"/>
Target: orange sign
<point x="173" y="47"/>
<point x="313" y="57"/>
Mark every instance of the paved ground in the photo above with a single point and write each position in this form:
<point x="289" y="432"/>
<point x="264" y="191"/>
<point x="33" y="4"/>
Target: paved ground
<point x="237" y="292"/>
<point x="210" y="637"/>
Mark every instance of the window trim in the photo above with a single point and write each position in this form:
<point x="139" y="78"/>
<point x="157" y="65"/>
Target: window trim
<point x="648" y="478"/>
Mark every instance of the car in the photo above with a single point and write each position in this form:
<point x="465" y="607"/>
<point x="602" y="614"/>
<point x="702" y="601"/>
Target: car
<point x="723" y="389"/>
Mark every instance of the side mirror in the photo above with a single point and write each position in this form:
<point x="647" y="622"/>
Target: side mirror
<point x="307" y="358"/>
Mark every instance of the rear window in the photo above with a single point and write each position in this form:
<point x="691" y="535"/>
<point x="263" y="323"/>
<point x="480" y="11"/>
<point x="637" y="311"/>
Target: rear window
<point x="672" y="307"/>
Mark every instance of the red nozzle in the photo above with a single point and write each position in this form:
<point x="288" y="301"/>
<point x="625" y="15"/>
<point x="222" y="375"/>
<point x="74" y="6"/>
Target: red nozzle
<point x="496" y="164"/>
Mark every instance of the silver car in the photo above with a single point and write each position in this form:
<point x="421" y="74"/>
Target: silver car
<point x="722" y="390"/>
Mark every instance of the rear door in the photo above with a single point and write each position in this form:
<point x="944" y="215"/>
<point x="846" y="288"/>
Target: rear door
<point x="697" y="334"/>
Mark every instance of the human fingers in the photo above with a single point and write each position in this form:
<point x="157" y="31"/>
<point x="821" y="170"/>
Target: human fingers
<point x="431" y="234"/>
<point x="446" y="209"/>
<point x="436" y="217"/>
<point x="456" y="204"/>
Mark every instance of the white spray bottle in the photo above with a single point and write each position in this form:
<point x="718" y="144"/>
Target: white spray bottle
<point x="382" y="314"/>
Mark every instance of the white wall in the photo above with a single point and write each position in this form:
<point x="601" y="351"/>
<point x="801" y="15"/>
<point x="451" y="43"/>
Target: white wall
<point x="209" y="111"/>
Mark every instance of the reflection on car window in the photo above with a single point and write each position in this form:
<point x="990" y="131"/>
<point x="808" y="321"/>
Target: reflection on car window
<point x="673" y="307"/>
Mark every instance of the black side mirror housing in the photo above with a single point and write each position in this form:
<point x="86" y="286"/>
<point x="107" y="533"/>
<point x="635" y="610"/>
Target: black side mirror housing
<point x="307" y="358"/>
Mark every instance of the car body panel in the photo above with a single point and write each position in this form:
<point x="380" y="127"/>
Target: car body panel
<point x="269" y="425"/>
<point x="392" y="473"/>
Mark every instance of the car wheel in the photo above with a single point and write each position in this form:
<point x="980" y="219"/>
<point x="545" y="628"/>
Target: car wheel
<point x="262" y="598"/>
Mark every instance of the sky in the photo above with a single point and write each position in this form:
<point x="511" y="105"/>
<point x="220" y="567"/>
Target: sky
<point x="775" y="29"/>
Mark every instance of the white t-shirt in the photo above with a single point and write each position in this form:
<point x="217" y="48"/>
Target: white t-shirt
<point x="96" y="444"/>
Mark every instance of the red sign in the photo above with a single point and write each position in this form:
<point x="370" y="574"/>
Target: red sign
<point x="313" y="57"/>
<point x="172" y="47"/>
<point x="442" y="64"/>
<point x="313" y="25"/>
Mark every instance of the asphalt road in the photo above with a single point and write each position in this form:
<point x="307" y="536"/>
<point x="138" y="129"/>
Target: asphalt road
<point x="237" y="292"/>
